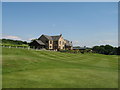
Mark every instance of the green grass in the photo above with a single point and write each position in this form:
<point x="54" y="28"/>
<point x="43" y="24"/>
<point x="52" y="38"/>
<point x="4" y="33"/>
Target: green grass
<point x="24" y="68"/>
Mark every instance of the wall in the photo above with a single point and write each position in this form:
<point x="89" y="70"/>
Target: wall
<point x="50" y="44"/>
<point x="61" y="43"/>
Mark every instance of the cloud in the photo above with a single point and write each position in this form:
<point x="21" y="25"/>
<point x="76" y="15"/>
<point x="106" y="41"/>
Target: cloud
<point x="76" y="43"/>
<point x="90" y="43"/>
<point x="12" y="37"/>
<point x="119" y="43"/>
<point x="30" y="39"/>
<point x="110" y="42"/>
<point x="5" y="36"/>
<point x="107" y="41"/>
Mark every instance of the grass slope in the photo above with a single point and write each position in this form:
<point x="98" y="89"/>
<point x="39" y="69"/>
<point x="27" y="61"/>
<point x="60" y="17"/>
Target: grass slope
<point x="24" y="68"/>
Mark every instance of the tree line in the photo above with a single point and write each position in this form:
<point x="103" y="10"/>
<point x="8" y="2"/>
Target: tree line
<point x="102" y="49"/>
<point x="106" y="49"/>
<point x="13" y="42"/>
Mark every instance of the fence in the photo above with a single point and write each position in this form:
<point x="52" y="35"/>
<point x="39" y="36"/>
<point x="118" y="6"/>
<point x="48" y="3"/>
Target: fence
<point x="14" y="46"/>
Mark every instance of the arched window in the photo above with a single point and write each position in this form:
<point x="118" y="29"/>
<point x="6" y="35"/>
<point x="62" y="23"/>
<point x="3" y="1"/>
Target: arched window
<point x="50" y="42"/>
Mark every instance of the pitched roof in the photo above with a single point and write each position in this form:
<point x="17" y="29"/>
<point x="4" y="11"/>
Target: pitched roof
<point x="48" y="37"/>
<point x="40" y="42"/>
<point x="56" y="38"/>
<point x="68" y="43"/>
<point x="66" y="40"/>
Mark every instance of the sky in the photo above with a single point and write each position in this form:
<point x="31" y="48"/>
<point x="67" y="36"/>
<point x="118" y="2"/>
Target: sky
<point x="83" y="23"/>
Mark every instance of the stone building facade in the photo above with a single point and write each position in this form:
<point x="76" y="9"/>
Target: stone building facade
<point x="51" y="43"/>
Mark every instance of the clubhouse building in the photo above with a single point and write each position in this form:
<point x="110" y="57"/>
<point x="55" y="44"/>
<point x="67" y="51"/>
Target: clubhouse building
<point x="51" y="43"/>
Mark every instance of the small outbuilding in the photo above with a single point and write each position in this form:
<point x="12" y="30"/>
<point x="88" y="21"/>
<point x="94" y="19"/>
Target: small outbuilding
<point x="37" y="44"/>
<point x="79" y="48"/>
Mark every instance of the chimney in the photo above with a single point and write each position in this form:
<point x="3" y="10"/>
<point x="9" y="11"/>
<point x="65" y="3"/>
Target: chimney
<point x="60" y="34"/>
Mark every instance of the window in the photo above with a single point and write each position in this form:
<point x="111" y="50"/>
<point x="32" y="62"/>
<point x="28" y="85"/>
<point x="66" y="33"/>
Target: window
<point x="56" y="47"/>
<point x="50" y="42"/>
<point x="50" y="46"/>
<point x="60" y="42"/>
<point x="59" y="47"/>
<point x="56" y="42"/>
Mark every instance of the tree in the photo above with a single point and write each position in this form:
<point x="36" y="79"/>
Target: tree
<point x="15" y="42"/>
<point x="118" y="51"/>
<point x="107" y="50"/>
